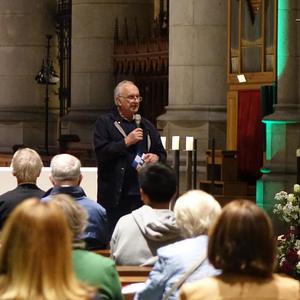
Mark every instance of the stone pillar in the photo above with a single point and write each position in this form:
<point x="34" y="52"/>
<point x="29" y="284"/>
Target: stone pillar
<point x="283" y="126"/>
<point x="93" y="24"/>
<point x="23" y="26"/>
<point x="197" y="73"/>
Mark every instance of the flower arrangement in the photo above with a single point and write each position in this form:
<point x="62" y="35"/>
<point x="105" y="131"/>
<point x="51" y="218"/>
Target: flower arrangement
<point x="287" y="208"/>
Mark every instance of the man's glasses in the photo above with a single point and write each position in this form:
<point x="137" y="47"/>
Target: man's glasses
<point x="132" y="98"/>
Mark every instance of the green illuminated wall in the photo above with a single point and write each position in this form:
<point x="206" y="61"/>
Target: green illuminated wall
<point x="282" y="36"/>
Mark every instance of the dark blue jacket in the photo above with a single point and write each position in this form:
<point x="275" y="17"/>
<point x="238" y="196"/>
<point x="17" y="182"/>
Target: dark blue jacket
<point x="96" y="233"/>
<point x="10" y="199"/>
<point x="114" y="158"/>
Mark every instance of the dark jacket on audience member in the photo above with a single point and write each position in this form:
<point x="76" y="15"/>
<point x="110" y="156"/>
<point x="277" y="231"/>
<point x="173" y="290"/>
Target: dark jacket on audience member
<point x="96" y="233"/>
<point x="10" y="199"/>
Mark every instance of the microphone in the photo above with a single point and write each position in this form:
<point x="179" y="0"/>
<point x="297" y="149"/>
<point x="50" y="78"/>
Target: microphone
<point x="138" y="120"/>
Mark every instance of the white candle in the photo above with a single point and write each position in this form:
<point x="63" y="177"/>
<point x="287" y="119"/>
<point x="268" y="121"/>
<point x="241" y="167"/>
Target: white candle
<point x="175" y="142"/>
<point x="189" y="143"/>
<point x="163" y="141"/>
<point x="298" y="152"/>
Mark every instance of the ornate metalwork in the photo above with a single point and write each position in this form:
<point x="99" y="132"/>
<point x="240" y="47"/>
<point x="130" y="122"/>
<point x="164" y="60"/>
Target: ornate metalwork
<point x="64" y="30"/>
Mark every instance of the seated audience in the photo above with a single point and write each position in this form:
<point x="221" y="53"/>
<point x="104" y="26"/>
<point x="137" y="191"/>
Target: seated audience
<point x="242" y="245"/>
<point x="91" y="268"/>
<point x="26" y="167"/>
<point x="138" y="235"/>
<point x="66" y="177"/>
<point x="195" y="212"/>
<point x="35" y="256"/>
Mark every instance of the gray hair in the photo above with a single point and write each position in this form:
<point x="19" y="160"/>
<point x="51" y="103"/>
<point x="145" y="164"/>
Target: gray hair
<point x="65" y="167"/>
<point x="195" y="212"/>
<point x="76" y="215"/>
<point x="119" y="86"/>
<point x="27" y="165"/>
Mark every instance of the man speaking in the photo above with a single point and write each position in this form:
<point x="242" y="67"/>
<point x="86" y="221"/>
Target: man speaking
<point x="123" y="142"/>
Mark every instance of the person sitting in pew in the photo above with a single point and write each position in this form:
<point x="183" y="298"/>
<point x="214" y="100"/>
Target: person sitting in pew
<point x="35" y="256"/>
<point x="138" y="235"/>
<point x="26" y="167"/>
<point x="89" y="267"/>
<point x="66" y="177"/>
<point x="195" y="212"/>
<point x="242" y="244"/>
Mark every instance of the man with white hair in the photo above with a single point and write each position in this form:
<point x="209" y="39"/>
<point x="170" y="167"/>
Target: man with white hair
<point x="66" y="178"/>
<point x="26" y="167"/>
<point x="123" y="141"/>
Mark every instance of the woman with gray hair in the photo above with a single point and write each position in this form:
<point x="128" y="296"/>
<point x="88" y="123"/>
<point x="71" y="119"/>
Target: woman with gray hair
<point x="89" y="267"/>
<point x="195" y="212"/>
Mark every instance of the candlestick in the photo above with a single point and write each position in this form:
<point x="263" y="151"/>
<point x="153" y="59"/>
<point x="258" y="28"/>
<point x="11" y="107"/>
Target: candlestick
<point x="163" y="141"/>
<point x="298" y="165"/>
<point x="189" y="143"/>
<point x="175" y="142"/>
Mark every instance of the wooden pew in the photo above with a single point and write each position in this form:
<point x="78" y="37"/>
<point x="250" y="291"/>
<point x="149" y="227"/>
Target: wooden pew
<point x="103" y="252"/>
<point x="133" y="270"/>
<point x="128" y="274"/>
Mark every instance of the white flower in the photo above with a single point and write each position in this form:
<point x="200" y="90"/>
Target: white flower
<point x="291" y="198"/>
<point x="297" y="244"/>
<point x="281" y="238"/>
<point x="282" y="261"/>
<point x="296" y="188"/>
<point x="298" y="266"/>
<point x="281" y="196"/>
<point x="298" y="252"/>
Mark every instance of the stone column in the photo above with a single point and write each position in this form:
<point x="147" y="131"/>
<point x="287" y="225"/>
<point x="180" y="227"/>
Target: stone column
<point x="23" y="26"/>
<point x="283" y="126"/>
<point x="197" y="72"/>
<point x="93" y="24"/>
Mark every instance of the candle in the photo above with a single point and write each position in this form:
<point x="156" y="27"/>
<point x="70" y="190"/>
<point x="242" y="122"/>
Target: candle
<point x="298" y="152"/>
<point x="175" y="142"/>
<point x="189" y="143"/>
<point x="163" y="141"/>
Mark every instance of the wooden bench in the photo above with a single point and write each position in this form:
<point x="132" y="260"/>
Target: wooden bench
<point x="137" y="271"/>
<point x="128" y="274"/>
<point x="103" y="252"/>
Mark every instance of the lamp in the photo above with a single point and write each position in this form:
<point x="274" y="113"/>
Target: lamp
<point x="46" y="76"/>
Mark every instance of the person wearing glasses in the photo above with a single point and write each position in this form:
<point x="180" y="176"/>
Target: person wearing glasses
<point x="123" y="142"/>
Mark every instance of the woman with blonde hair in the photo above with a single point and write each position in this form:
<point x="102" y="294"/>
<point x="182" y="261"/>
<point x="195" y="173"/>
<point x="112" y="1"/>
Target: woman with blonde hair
<point x="242" y="245"/>
<point x="35" y="256"/>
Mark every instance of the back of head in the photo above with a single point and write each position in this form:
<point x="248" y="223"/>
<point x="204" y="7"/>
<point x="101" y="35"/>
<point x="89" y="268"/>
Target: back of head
<point x="65" y="167"/>
<point x="75" y="214"/>
<point x="158" y="182"/>
<point x="35" y="257"/>
<point x="27" y="165"/>
<point x="242" y="240"/>
<point x="195" y="212"/>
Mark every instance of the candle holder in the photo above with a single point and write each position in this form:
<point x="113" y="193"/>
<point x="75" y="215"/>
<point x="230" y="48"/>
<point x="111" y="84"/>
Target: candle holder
<point x="189" y="147"/>
<point x="213" y="166"/>
<point x="189" y="170"/>
<point x="176" y="166"/>
<point x="195" y="165"/>
<point x="298" y="165"/>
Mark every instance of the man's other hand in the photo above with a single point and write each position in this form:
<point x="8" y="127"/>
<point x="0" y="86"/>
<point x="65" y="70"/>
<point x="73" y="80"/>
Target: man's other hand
<point x="150" y="158"/>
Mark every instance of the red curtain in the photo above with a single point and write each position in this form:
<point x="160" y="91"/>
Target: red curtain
<point x="250" y="135"/>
